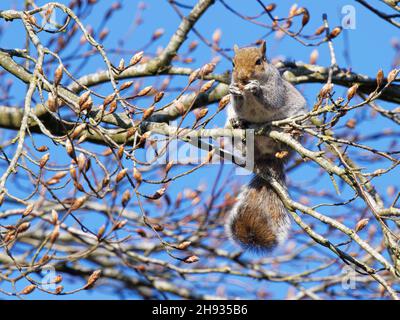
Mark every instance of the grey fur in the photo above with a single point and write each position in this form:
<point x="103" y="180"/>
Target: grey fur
<point x="265" y="98"/>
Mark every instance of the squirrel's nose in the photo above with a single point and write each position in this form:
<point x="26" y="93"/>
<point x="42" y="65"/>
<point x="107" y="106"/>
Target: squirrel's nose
<point x="243" y="77"/>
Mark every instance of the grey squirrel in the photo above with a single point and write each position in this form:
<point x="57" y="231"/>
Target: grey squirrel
<point x="259" y="95"/>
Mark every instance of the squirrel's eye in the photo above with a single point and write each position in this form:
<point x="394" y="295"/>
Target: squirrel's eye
<point x="233" y="63"/>
<point x="258" y="62"/>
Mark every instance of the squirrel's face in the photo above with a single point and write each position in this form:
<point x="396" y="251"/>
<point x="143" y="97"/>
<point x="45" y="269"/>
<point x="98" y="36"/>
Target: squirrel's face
<point x="248" y="63"/>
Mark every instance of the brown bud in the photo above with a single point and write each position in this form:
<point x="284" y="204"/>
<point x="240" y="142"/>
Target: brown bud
<point x="193" y="45"/>
<point x="60" y="175"/>
<point x="78" y="203"/>
<point x="59" y="289"/>
<point x="109" y="99"/>
<point x="293" y="10"/>
<point x="158" y="227"/>
<point x="82" y="40"/>
<point x="81" y="162"/>
<point x="158" y="194"/>
<point x="101" y="231"/>
<point x="224" y="102"/>
<point x="314" y="56"/>
<point x="391" y="190"/>
<point x="201" y="113"/>
<point x="121" y="65"/>
<point x="78" y="130"/>
<point x="54" y="217"/>
<point x="125" y="198"/>
<point x="121" y="175"/>
<point x="136" y="58"/>
<point x="194" y="75"/>
<point x="207" y="69"/>
<point x="141" y="233"/>
<point x="351" y="123"/>
<point x="126" y="85"/>
<point x="120" y="224"/>
<point x="129" y="133"/>
<point x="49" y="11"/>
<point x="288" y="24"/>
<point x="120" y="151"/>
<point x="70" y="149"/>
<point x="82" y="137"/>
<point x="58" y="278"/>
<point x="58" y="75"/>
<point x="392" y="75"/>
<point x="28" y="210"/>
<point x="78" y="186"/>
<point x="379" y="77"/>
<point x="55" y="233"/>
<point x="306" y="17"/>
<point x="44" y="160"/>
<point x="191" y="259"/>
<point x="216" y="37"/>
<point x="103" y="34"/>
<point x="361" y="224"/>
<point x="42" y="148"/>
<point x="105" y="182"/>
<point x="28" y="289"/>
<point x="184" y="245"/>
<point x="147" y="113"/>
<point x="144" y="91"/>
<point x="52" y="181"/>
<point x="180" y="107"/>
<point x="43" y="260"/>
<point x="31" y="19"/>
<point x="87" y="105"/>
<point x="335" y="32"/>
<point x="326" y="90"/>
<point x="187" y="60"/>
<point x="319" y="31"/>
<point x="196" y="201"/>
<point x="352" y="91"/>
<point x="52" y="103"/>
<point x="157" y="34"/>
<point x="137" y="175"/>
<point x="10" y="236"/>
<point x="72" y="172"/>
<point x="270" y="7"/>
<point x="158" y="96"/>
<point x="23" y="227"/>
<point x="92" y="279"/>
<point x="84" y="97"/>
<point x="113" y="107"/>
<point x="207" y="86"/>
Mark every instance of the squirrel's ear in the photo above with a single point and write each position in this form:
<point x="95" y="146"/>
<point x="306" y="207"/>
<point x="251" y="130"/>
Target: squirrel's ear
<point x="235" y="48"/>
<point x="263" y="47"/>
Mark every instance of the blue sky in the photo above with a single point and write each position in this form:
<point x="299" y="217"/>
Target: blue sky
<point x="369" y="46"/>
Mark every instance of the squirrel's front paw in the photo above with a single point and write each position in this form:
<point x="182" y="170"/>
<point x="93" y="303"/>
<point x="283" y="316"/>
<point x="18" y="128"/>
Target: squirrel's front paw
<point x="237" y="123"/>
<point x="253" y="87"/>
<point x="235" y="91"/>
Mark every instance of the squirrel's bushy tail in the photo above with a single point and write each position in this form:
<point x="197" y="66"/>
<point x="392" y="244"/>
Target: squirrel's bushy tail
<point x="259" y="220"/>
